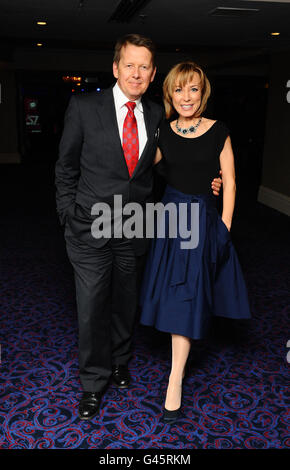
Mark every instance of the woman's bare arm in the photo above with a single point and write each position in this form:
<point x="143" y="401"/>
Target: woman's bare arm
<point x="227" y="163"/>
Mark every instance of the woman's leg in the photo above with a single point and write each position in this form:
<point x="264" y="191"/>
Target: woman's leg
<point x="180" y="350"/>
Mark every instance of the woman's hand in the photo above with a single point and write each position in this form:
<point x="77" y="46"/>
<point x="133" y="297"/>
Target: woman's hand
<point x="216" y="185"/>
<point x="158" y="156"/>
<point x="227" y="224"/>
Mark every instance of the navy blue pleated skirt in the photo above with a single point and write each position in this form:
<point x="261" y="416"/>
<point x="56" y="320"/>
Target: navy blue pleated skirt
<point x="183" y="288"/>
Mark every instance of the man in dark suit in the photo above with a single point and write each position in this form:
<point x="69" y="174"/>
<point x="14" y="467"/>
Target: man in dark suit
<point x="100" y="157"/>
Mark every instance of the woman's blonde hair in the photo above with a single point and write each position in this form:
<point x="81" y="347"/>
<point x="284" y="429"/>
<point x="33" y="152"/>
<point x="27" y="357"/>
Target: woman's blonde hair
<point x="180" y="75"/>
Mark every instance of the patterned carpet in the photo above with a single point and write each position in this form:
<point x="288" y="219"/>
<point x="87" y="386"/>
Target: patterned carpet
<point x="235" y="393"/>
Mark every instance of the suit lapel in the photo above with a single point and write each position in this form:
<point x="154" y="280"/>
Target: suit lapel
<point x="107" y="112"/>
<point x="149" y="124"/>
<point x="150" y="128"/>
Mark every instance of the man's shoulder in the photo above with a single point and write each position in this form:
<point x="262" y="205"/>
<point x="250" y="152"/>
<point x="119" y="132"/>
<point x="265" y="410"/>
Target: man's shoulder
<point x="154" y="107"/>
<point x="93" y="97"/>
<point x="153" y="104"/>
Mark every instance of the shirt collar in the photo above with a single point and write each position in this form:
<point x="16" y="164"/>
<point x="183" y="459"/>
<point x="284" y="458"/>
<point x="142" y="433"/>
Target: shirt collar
<point x="121" y="99"/>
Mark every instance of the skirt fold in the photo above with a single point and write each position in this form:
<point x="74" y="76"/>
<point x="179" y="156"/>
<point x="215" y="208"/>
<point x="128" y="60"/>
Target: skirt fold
<point x="183" y="288"/>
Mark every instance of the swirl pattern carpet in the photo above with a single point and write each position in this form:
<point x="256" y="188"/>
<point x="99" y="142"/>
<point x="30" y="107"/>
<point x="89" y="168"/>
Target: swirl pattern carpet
<point x="235" y="391"/>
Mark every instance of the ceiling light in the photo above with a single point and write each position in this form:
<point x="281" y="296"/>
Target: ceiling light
<point x="41" y="23"/>
<point x="39" y="44"/>
<point x="271" y="1"/>
<point x="275" y="34"/>
<point x="233" y="12"/>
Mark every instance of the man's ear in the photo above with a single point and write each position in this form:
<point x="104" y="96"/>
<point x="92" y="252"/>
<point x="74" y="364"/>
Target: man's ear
<point x="153" y="74"/>
<point x="115" y="70"/>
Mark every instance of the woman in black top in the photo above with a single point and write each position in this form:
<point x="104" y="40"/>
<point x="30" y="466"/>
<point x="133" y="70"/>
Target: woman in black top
<point x="183" y="287"/>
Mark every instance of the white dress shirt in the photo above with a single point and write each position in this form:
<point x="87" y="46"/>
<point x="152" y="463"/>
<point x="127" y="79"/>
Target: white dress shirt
<point x="121" y="111"/>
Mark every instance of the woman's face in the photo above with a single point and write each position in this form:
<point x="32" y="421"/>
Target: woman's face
<point x="186" y="99"/>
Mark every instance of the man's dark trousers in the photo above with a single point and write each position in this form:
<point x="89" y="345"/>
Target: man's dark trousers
<point x="106" y="295"/>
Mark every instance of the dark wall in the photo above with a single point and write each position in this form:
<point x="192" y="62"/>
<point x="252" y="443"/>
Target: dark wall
<point x="8" y="116"/>
<point x="276" y="160"/>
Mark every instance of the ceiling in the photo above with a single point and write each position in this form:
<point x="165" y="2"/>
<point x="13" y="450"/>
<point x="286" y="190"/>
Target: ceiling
<point x="172" y="24"/>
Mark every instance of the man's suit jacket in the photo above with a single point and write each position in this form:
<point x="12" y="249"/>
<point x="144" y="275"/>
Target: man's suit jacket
<point x="91" y="167"/>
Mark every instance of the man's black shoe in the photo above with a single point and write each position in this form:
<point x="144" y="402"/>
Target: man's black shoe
<point x="121" y="376"/>
<point x="89" y="405"/>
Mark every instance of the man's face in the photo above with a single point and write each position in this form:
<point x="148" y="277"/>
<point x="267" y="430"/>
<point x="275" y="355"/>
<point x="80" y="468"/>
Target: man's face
<point x="135" y="71"/>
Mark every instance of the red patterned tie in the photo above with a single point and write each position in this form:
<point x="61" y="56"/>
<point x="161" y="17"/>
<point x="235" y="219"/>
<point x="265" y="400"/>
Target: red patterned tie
<point x="130" y="138"/>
